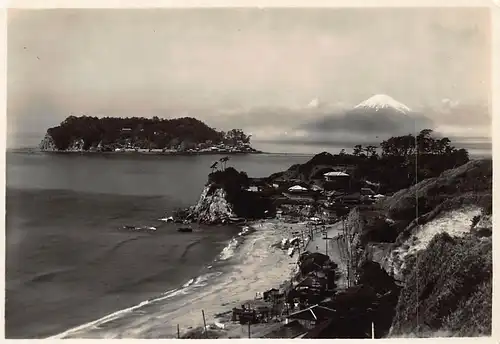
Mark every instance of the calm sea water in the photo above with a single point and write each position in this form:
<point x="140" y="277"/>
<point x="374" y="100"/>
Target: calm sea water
<point x="68" y="261"/>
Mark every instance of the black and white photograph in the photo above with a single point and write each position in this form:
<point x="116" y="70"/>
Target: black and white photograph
<point x="249" y="172"/>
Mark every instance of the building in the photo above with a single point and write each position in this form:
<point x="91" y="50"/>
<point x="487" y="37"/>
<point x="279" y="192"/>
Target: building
<point x="337" y="180"/>
<point x="335" y="176"/>
<point x="297" y="189"/>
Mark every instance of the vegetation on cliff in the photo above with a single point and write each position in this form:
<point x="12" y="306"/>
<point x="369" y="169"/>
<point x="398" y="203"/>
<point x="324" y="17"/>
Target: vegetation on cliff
<point x="449" y="288"/>
<point x="245" y="203"/>
<point x="447" y="284"/>
<point x="139" y="132"/>
<point x="468" y="184"/>
<point x="396" y="164"/>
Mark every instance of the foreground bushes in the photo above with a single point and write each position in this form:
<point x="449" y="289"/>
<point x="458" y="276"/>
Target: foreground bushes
<point x="448" y="287"/>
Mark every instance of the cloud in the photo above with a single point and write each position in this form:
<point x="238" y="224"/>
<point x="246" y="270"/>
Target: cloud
<point x="364" y="126"/>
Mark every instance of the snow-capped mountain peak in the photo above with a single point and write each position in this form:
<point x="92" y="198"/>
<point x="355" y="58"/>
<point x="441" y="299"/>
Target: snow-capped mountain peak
<point x="382" y="101"/>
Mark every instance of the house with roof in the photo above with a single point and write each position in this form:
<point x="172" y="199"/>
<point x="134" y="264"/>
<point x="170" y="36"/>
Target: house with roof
<point x="335" y="175"/>
<point x="297" y="189"/>
<point x="337" y="180"/>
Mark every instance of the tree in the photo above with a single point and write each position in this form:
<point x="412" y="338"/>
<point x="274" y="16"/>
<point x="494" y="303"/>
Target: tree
<point x="235" y="136"/>
<point x="401" y="146"/>
<point x="224" y="160"/>
<point x="358" y="150"/>
<point x="443" y="145"/>
<point x="214" y="166"/>
<point x="371" y="151"/>
<point x="139" y="131"/>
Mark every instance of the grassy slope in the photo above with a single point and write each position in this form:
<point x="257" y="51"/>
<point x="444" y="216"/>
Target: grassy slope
<point x="451" y="289"/>
<point x="448" y="288"/>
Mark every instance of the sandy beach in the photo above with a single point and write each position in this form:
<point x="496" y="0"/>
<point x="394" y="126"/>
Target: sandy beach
<point x="255" y="267"/>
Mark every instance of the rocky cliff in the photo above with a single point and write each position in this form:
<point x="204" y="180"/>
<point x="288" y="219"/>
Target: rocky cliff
<point x="447" y="203"/>
<point x="48" y="145"/>
<point x="213" y="206"/>
<point x="453" y="228"/>
<point x="225" y="196"/>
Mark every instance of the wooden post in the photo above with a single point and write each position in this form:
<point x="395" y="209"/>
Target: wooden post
<point x="204" y="323"/>
<point x="249" y="322"/>
<point x="178" y="332"/>
<point x="326" y="243"/>
<point x="373" y="330"/>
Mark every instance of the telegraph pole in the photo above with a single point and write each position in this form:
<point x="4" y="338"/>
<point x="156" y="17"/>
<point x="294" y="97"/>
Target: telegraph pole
<point x="326" y="242"/>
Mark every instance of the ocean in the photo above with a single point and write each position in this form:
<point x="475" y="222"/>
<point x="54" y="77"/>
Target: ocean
<point x="70" y="262"/>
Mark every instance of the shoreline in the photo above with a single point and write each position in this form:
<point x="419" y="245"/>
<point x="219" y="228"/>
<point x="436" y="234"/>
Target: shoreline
<point x="221" y="325"/>
<point x="255" y="266"/>
<point x="145" y="153"/>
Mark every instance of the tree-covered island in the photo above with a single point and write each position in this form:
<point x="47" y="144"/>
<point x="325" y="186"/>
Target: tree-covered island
<point x="111" y="134"/>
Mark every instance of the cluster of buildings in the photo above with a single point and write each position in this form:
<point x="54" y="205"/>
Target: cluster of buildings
<point x="334" y="186"/>
<point x="222" y="148"/>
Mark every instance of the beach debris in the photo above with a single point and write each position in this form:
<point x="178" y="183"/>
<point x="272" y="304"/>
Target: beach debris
<point x="284" y="243"/>
<point x="185" y="229"/>
<point x="139" y="228"/>
<point x="246" y="230"/>
<point x="219" y="324"/>
<point x="167" y="219"/>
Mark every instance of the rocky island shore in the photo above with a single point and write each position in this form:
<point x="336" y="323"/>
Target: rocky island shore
<point x="380" y="251"/>
<point x="179" y="136"/>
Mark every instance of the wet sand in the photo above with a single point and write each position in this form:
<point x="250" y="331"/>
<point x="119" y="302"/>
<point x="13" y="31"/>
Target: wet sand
<point x="255" y="267"/>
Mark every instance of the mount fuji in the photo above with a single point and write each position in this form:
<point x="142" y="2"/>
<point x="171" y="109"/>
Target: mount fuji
<point x="382" y="101"/>
<point x="379" y="116"/>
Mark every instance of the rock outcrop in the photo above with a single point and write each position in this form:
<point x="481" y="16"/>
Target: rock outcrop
<point x="225" y="196"/>
<point x="47" y="144"/>
<point x="213" y="206"/>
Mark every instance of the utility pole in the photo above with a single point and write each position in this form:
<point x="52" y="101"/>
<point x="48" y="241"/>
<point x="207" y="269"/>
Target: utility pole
<point x="326" y="243"/>
<point x="204" y="323"/>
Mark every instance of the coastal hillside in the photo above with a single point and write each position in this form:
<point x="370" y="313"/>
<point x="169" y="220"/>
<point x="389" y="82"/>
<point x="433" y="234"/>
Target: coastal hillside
<point x="87" y="133"/>
<point x="434" y="238"/>
<point x="413" y="261"/>
<point x="394" y="165"/>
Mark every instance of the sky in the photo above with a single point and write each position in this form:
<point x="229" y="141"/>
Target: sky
<point x="270" y="72"/>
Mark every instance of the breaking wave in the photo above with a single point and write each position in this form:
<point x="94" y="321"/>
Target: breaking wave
<point x="187" y="288"/>
<point x="230" y="250"/>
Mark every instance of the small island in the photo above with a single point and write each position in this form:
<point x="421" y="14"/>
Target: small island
<point x="185" y="135"/>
